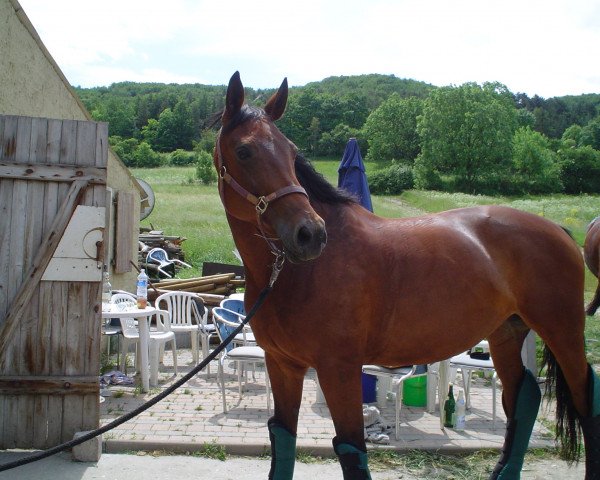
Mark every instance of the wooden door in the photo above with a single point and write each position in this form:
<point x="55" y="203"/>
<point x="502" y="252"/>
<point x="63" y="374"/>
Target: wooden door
<point x="49" y="303"/>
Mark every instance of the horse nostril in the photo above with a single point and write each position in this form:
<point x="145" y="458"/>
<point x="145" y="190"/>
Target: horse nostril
<point x="304" y="236"/>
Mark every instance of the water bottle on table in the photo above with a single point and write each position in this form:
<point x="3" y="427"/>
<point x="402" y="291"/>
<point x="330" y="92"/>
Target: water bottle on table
<point x="142" y="289"/>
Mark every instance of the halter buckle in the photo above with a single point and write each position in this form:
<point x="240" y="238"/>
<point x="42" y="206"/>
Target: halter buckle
<point x="261" y="205"/>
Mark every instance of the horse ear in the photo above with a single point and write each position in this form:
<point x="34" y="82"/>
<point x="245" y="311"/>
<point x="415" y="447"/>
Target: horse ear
<point x="276" y="104"/>
<point x="234" y="99"/>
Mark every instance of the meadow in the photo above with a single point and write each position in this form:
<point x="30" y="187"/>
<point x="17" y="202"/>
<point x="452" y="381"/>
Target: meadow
<point x="184" y="207"/>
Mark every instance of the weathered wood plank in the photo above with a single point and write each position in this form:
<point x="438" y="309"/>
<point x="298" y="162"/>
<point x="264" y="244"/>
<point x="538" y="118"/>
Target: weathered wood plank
<point x="73" y="416"/>
<point x="9" y="141"/>
<point x="48" y="385"/>
<point x="30" y="338"/>
<point x="124" y="232"/>
<point x="17" y="246"/>
<point x="11" y="413"/>
<point x="54" y="173"/>
<point x="54" y="419"/>
<point x="91" y="411"/>
<point x="25" y="419"/>
<point x="40" y="427"/>
<point x="92" y="332"/>
<point x="75" y="340"/>
<point x="6" y="194"/>
<point x="58" y="311"/>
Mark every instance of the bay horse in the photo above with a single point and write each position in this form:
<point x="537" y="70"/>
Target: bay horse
<point x="591" y="254"/>
<point x="354" y="289"/>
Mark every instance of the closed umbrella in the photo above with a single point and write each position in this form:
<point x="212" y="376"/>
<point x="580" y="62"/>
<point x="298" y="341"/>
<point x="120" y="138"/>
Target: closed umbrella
<point x="352" y="176"/>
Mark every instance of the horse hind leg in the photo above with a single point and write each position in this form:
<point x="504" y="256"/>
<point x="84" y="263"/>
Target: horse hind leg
<point x="576" y="388"/>
<point x="521" y="396"/>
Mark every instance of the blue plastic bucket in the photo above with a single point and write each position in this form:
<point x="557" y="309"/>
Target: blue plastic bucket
<point x="369" y="388"/>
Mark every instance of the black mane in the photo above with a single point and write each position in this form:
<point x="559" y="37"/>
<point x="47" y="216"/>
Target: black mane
<point x="317" y="187"/>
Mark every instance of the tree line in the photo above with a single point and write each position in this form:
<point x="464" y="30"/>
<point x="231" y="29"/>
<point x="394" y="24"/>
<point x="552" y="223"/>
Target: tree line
<point x="472" y="138"/>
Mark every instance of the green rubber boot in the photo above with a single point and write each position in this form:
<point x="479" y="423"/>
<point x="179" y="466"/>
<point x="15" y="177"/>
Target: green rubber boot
<point x="283" y="451"/>
<point x="590" y="427"/>
<point x="518" y="430"/>
<point x="353" y="461"/>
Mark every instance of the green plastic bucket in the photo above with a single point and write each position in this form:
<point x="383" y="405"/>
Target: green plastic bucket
<point x="414" y="393"/>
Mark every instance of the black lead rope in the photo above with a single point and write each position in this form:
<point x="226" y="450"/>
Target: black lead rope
<point x="154" y="400"/>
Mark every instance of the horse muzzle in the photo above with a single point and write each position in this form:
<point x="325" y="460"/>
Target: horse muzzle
<point x="305" y="240"/>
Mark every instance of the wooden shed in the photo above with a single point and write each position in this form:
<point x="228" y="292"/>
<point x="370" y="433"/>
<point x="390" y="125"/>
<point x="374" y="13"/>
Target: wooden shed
<point x="68" y="208"/>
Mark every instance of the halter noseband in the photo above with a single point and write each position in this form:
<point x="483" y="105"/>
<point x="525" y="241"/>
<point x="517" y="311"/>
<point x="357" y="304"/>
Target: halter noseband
<point x="260" y="203"/>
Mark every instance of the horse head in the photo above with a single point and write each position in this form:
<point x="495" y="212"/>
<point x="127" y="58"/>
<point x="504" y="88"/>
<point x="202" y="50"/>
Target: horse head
<point x="257" y="182"/>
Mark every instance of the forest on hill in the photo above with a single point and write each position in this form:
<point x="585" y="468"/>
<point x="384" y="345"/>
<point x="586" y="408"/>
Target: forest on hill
<point x="474" y="138"/>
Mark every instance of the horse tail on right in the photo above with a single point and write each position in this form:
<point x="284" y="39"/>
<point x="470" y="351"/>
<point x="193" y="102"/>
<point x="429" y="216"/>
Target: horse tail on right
<point x="568" y="429"/>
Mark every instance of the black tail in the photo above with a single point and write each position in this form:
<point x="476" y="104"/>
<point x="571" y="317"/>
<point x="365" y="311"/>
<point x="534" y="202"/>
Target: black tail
<point x="568" y="430"/>
<point x="595" y="303"/>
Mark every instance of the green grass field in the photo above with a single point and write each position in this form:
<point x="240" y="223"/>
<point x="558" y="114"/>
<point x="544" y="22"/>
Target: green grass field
<point x="194" y="211"/>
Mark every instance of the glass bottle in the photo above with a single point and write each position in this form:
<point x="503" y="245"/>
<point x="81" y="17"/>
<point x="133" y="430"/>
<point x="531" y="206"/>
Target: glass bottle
<point x="449" y="409"/>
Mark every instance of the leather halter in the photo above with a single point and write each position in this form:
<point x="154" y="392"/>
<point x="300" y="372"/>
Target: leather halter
<point x="260" y="203"/>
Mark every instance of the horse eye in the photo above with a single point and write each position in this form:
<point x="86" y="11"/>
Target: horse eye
<point x="243" y="153"/>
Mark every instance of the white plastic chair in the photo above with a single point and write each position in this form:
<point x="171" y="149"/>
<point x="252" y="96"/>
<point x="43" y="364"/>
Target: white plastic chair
<point x="180" y="305"/>
<point x="397" y="377"/>
<point x="158" y="338"/>
<point x="159" y="256"/>
<point x="241" y="355"/>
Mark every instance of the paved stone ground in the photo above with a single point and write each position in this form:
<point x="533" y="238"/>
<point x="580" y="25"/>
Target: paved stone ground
<point x="192" y="418"/>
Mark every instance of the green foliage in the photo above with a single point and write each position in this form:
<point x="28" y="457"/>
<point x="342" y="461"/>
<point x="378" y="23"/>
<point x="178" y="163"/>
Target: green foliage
<point x="391" y="180"/>
<point x="580" y="169"/>
<point x="124" y="148"/>
<point x="466" y="133"/>
<point x="590" y="134"/>
<point x="144" y="156"/>
<point x="182" y="158"/>
<point x="334" y="142"/>
<point x="205" y="170"/>
<point x="391" y="130"/>
<point x="207" y="141"/>
<point x="535" y="170"/>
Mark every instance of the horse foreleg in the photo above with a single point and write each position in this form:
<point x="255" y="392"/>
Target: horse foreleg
<point x="343" y="391"/>
<point x="286" y="385"/>
<point x="521" y="397"/>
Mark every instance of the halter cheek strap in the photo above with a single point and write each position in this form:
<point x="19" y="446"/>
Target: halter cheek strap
<point x="260" y="203"/>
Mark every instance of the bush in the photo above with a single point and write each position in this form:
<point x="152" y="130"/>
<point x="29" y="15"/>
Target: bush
<point x="392" y="180"/>
<point x="183" y="158"/>
<point x="205" y="170"/>
<point x="124" y="149"/>
<point x="580" y="170"/>
<point x="144" y="156"/>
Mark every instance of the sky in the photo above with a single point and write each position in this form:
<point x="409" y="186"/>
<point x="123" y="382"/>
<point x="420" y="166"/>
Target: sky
<point x="538" y="47"/>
